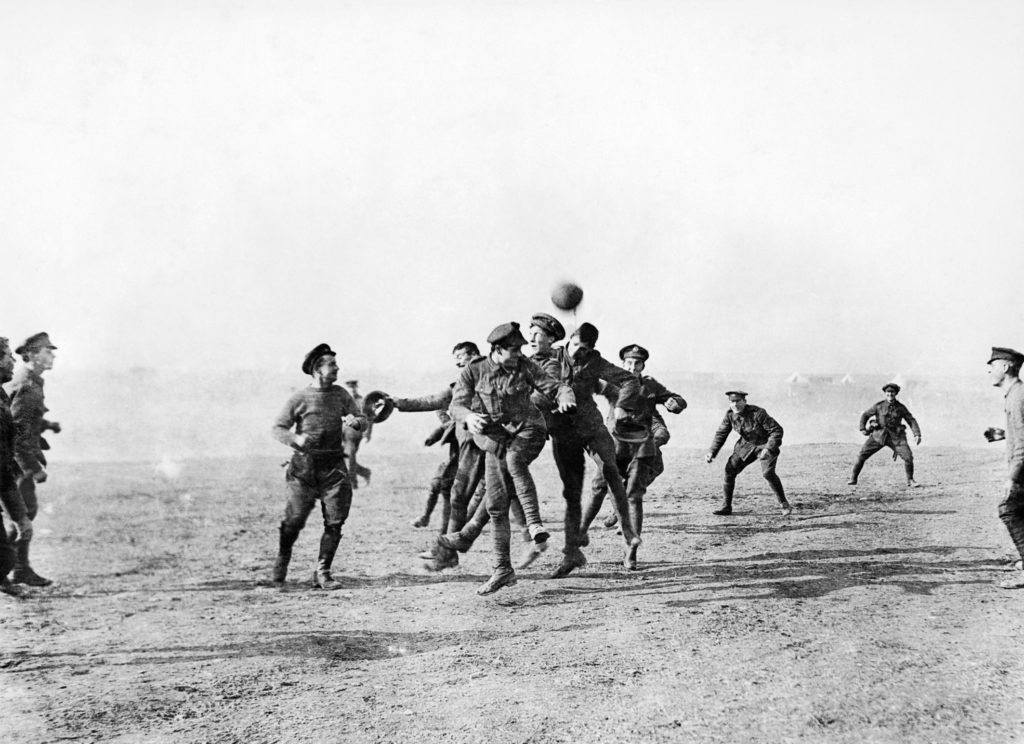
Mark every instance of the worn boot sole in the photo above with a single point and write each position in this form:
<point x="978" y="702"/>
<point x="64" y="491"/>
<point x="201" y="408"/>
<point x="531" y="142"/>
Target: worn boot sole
<point x="722" y="512"/>
<point x="568" y="565"/>
<point x="498" y="581"/>
<point x="325" y="581"/>
<point x="29" y="578"/>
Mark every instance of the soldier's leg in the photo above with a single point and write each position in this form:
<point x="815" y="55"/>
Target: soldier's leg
<point x="301" y="497"/>
<point x="469" y="472"/>
<point x="598" y="490"/>
<point x="870" y="447"/>
<point x="8" y="559"/>
<point x="568" y="454"/>
<point x="1011" y="512"/>
<point x="522" y="451"/>
<point x="768" y="471"/>
<point x="602" y="449"/>
<point x="335" y="503"/>
<point x="437" y="484"/>
<point x="902" y="448"/>
<point x="497" y="507"/>
<point x="638" y="474"/>
<point x="733" y="467"/>
<point x="23" y="572"/>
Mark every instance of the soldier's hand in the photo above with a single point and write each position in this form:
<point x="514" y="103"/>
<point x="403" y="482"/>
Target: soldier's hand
<point x="917" y="439"/>
<point x="380" y="405"/>
<point x="765" y="454"/>
<point x="708" y="457"/>
<point x="476" y="423"/>
<point x="55" y="427"/>
<point x="39" y="476"/>
<point x="299" y="441"/>
<point x="864" y="432"/>
<point x="620" y="413"/>
<point x="351" y="421"/>
<point x="992" y="434"/>
<point x="672" y="406"/>
<point x="567" y="402"/>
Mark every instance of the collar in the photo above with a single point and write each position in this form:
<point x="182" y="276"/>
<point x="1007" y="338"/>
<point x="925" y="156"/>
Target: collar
<point x="1011" y="388"/>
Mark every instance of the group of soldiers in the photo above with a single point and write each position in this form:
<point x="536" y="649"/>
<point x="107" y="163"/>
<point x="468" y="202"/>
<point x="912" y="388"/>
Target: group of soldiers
<point x="22" y="461"/>
<point x="494" y="421"/>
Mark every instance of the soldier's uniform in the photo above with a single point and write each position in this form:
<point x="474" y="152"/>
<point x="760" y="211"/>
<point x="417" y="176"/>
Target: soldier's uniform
<point x="28" y="410"/>
<point x="638" y="457"/>
<point x="512" y="439"/>
<point x="890" y="432"/>
<point x="444" y="433"/>
<point x="758" y="434"/>
<point x="317" y="469"/>
<point x="11" y="500"/>
<point x="1011" y="508"/>
<point x="583" y="432"/>
<point x="353" y="438"/>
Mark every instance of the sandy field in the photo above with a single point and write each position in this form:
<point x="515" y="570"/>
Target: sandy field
<point x="869" y="615"/>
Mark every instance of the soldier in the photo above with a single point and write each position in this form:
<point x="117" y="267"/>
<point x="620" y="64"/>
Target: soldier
<point x="636" y="452"/>
<point x="760" y="439"/>
<point x="660" y="436"/>
<point x="582" y="431"/>
<point x="21" y="525"/>
<point x="28" y="407"/>
<point x="492" y="396"/>
<point x="1004" y="369"/>
<point x="354" y="437"/>
<point x="888" y="431"/>
<point x="311" y="423"/>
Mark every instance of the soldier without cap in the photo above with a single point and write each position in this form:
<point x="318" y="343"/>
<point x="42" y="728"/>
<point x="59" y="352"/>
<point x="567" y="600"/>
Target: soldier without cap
<point x="312" y="424"/>
<point x="760" y="439"/>
<point x="1004" y="370"/>
<point x="28" y="408"/>
<point x="492" y="396"/>
<point x="888" y="432"/>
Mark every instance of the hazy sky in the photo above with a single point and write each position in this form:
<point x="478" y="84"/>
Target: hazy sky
<point x="780" y="186"/>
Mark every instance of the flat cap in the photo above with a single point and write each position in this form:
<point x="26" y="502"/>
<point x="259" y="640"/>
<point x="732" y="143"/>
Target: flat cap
<point x="309" y="363"/>
<point x="587" y="333"/>
<point x="891" y="386"/>
<point x="370" y="403"/>
<point x="549" y="324"/>
<point x="740" y="393"/>
<point x="507" y="334"/>
<point x="1003" y="352"/>
<point x="35" y="342"/>
<point x="634" y="351"/>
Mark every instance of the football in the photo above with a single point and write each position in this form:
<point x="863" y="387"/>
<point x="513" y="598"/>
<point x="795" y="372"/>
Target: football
<point x="566" y="295"/>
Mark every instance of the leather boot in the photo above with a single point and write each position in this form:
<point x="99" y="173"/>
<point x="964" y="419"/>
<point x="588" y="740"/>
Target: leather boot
<point x="726" y="509"/>
<point x="286" y="540"/>
<point x="23" y="573"/>
<point x="328" y="546"/>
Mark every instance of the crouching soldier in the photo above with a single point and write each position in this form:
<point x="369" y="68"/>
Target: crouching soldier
<point x="312" y="424"/>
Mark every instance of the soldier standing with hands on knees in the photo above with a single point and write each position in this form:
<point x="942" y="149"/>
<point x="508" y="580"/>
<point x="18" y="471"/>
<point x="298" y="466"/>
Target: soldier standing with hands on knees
<point x="312" y="424"/>
<point x="760" y="439"/>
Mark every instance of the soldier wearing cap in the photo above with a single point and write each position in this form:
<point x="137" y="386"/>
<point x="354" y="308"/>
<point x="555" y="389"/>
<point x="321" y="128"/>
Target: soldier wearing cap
<point x="889" y="431"/>
<point x="28" y="409"/>
<point x="636" y="452"/>
<point x="14" y="506"/>
<point x="492" y="397"/>
<point x="312" y="424"/>
<point x="760" y="439"/>
<point x="581" y="432"/>
<point x="1004" y="370"/>
<point x="355" y="437"/>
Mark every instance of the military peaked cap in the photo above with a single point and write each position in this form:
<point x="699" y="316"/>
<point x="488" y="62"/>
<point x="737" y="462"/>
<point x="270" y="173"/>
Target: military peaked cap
<point x="634" y="351"/>
<point x="309" y="363"/>
<point x="736" y="392"/>
<point x="891" y="386"/>
<point x="507" y="334"/>
<point x="35" y="343"/>
<point x="1010" y="355"/>
<point x="549" y="324"/>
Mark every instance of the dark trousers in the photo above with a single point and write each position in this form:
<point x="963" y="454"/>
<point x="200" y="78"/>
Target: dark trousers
<point x="737" y="463"/>
<point x="898" y="445"/>
<point x="469" y="473"/>
<point x="1011" y="511"/>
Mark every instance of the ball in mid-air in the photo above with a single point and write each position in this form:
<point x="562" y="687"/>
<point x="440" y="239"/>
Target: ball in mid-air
<point x="566" y="295"/>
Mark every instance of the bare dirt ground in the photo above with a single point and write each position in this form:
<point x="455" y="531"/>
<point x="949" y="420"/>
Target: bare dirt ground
<point x="870" y="615"/>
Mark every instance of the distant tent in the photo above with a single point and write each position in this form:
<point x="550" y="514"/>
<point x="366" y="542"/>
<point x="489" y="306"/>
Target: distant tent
<point x="847" y="379"/>
<point x="797" y="379"/>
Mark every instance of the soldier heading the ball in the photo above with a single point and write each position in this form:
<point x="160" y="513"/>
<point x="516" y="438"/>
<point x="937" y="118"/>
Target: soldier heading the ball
<point x="312" y="423"/>
<point x="492" y="397"/>
<point x="760" y="439"/>
<point x="887" y="431"/>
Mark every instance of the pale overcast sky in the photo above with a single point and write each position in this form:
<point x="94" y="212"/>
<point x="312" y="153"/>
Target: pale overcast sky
<point x="777" y="186"/>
